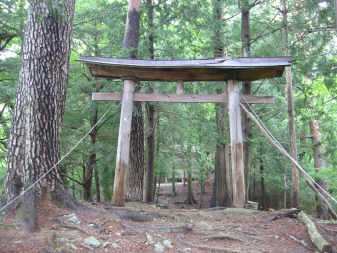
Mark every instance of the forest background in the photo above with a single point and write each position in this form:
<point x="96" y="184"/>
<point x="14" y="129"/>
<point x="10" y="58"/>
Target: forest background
<point x="186" y="134"/>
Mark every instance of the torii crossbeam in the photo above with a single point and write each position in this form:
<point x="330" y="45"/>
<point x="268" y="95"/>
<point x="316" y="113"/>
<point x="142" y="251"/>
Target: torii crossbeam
<point x="231" y="70"/>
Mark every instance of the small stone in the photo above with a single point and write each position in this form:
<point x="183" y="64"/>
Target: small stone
<point x="71" y="246"/>
<point x="167" y="243"/>
<point x="18" y="242"/>
<point x="92" y="241"/>
<point x="204" y="225"/>
<point x="158" y="247"/>
<point x="115" y="245"/>
<point x="150" y="239"/>
<point x="238" y="229"/>
<point x="91" y="225"/>
<point x="105" y="244"/>
<point x="277" y="237"/>
<point x="118" y="234"/>
<point x="73" y="218"/>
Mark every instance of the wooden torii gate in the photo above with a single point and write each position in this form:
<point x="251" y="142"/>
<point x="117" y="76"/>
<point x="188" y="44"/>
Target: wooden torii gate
<point x="231" y="70"/>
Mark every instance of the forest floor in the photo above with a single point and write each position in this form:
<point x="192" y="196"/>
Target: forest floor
<point x="142" y="227"/>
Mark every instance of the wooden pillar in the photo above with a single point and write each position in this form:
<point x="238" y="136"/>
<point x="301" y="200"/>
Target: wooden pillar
<point x="180" y="87"/>
<point x="238" y="178"/>
<point x="122" y="159"/>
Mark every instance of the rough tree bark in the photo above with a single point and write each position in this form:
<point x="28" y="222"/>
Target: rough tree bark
<point x="222" y="192"/>
<point x="134" y="182"/>
<point x="34" y="142"/>
<point x="262" y="203"/>
<point x="149" y="189"/>
<point x="292" y="133"/>
<point x="319" y="163"/>
<point x="87" y="182"/>
<point x="246" y="90"/>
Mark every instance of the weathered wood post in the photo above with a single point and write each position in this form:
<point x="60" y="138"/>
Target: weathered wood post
<point x="180" y="87"/>
<point x="122" y="158"/>
<point x="238" y="178"/>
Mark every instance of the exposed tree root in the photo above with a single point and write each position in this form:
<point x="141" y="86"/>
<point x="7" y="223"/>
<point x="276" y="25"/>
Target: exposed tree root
<point x="60" y="195"/>
<point x="27" y="214"/>
<point x="298" y="241"/>
<point x="125" y="226"/>
<point x="50" y="241"/>
<point x="327" y="229"/>
<point x="190" y="201"/>
<point x="180" y="229"/>
<point x="215" y="208"/>
<point x="98" y="226"/>
<point x="180" y="239"/>
<point x="86" y="247"/>
<point x="62" y="224"/>
<point x="221" y="237"/>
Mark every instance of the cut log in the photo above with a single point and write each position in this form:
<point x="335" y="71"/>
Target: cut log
<point x="299" y="168"/>
<point x="321" y="244"/>
<point x="291" y="213"/>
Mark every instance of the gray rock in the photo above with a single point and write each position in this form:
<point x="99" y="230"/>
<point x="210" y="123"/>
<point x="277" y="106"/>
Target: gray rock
<point x="158" y="247"/>
<point x="167" y="243"/>
<point x="203" y="225"/>
<point x="105" y="244"/>
<point x="92" y="241"/>
<point x="150" y="239"/>
<point x="239" y="212"/>
<point x="115" y="245"/>
<point x="73" y="218"/>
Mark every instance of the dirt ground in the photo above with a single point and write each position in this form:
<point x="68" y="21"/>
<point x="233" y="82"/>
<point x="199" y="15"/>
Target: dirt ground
<point x="168" y="227"/>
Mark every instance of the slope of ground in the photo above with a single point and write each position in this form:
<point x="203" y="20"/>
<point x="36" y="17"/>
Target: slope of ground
<point x="142" y="227"/>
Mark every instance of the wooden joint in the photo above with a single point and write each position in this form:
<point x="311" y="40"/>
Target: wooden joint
<point x="132" y="78"/>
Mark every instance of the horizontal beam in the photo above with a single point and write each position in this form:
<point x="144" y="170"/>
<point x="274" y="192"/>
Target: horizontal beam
<point x="183" y="98"/>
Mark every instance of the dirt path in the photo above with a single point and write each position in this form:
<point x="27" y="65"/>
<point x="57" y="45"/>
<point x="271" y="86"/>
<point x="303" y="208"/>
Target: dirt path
<point x="141" y="227"/>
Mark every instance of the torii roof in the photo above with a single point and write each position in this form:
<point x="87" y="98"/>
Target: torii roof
<point x="219" y="69"/>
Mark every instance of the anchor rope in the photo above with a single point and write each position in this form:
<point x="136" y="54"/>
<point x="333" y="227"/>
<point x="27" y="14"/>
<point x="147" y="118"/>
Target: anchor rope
<point x="54" y="166"/>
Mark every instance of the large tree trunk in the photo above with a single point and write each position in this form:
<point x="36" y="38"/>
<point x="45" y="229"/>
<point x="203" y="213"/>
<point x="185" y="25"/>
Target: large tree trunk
<point x="222" y="193"/>
<point x="222" y="168"/>
<point x="149" y="189"/>
<point x="34" y="143"/>
<point x="134" y="182"/>
<point x="292" y="132"/>
<point x="319" y="163"/>
<point x="246" y="90"/>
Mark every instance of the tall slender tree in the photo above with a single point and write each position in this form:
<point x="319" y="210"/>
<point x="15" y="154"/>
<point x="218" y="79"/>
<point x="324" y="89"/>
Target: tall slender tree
<point x="319" y="164"/>
<point x="246" y="89"/>
<point x="150" y="112"/>
<point x="291" y="118"/>
<point x="34" y="143"/>
<point x="222" y="193"/>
